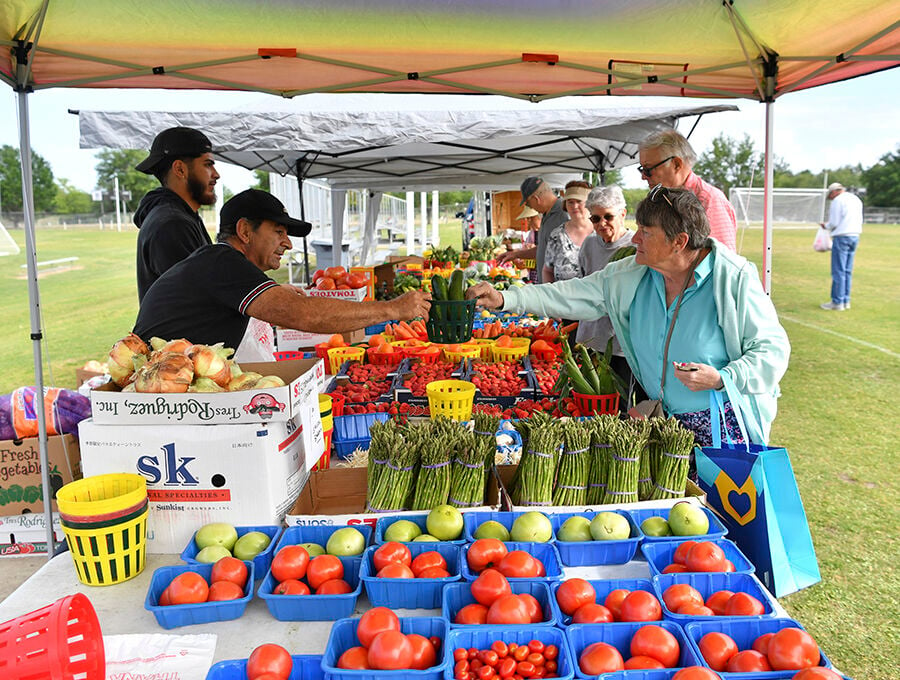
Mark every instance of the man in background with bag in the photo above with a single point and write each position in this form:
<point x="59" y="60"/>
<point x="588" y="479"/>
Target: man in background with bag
<point x="845" y="217"/>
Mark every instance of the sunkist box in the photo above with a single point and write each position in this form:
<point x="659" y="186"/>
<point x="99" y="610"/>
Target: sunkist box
<point x="290" y="340"/>
<point x="304" y="378"/>
<point x="20" y="472"/>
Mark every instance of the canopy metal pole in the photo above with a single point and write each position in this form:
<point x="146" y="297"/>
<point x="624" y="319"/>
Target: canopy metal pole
<point x="767" y="216"/>
<point x="435" y="232"/>
<point x="424" y="197"/>
<point x="410" y="223"/>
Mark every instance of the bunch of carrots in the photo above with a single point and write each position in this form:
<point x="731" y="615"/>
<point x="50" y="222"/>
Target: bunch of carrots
<point x="407" y="331"/>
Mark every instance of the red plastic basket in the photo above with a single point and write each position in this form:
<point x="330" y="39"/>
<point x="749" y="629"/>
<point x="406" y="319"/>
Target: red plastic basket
<point x="337" y="405"/>
<point x="596" y="403"/>
<point x="381" y="358"/>
<point x="546" y="354"/>
<point x="287" y="356"/>
<point x="62" y="640"/>
<point x="325" y="461"/>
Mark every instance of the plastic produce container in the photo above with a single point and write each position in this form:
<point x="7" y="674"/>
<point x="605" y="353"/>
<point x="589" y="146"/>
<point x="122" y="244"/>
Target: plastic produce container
<point x="659" y="555"/>
<point x="419" y="520"/>
<point x="545" y="552"/>
<point x="175" y="615"/>
<point x="343" y="637"/>
<point x="410" y="593"/>
<point x="473" y="520"/>
<point x="708" y="584"/>
<point x="261" y="562"/>
<point x="716" y="528"/>
<point x="481" y="637"/>
<point x="352" y="432"/>
<point x="619" y="636"/>
<point x="588" y="553"/>
<point x="314" y="607"/>
<point x="458" y="595"/>
<point x="306" y="667"/>
<point x="602" y="588"/>
<point x="319" y="534"/>
<point x="744" y="633"/>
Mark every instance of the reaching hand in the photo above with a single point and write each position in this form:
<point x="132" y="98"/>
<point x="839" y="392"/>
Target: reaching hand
<point x="502" y="258"/>
<point x="411" y="305"/>
<point x="487" y="296"/>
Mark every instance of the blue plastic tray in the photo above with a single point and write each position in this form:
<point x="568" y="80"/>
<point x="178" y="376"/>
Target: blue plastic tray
<point x="619" y="636"/>
<point x="343" y="637"/>
<point x="659" y="555"/>
<point x="473" y="520"/>
<point x="319" y="534"/>
<point x="376" y="329"/>
<point x="384" y="522"/>
<point x="716" y="528"/>
<point x="175" y="615"/>
<point x="708" y="584"/>
<point x="458" y="595"/>
<point x="655" y="674"/>
<point x="744" y="633"/>
<point x="602" y="589"/>
<point x="545" y="552"/>
<point x="481" y="637"/>
<point x="306" y="667"/>
<point x="588" y="553"/>
<point x="314" y="607"/>
<point x="352" y="432"/>
<point x="410" y="593"/>
<point x="262" y="562"/>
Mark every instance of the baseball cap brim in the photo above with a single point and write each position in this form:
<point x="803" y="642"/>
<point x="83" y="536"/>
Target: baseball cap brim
<point x="294" y="227"/>
<point x="146" y="166"/>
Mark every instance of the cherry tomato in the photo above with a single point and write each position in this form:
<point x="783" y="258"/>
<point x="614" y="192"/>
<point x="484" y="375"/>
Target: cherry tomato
<point x="658" y="643"/>
<point x="486" y="673"/>
<point x="761" y="644"/>
<point x="424" y="654"/>
<point x="640" y="605"/>
<point x="535" y="658"/>
<point x="508" y="610"/>
<point x="428" y="560"/>
<point x="550" y="666"/>
<point x="323" y="568"/>
<point x="693" y="609"/>
<point x="534" y="607"/>
<point x="718" y="600"/>
<point x="521" y="652"/>
<point x="675" y="569"/>
<point x="484" y="553"/>
<point x="637" y="662"/>
<point x="748" y="661"/>
<point x="742" y="604"/>
<point x="291" y="561"/>
<point x="269" y="658"/>
<point x="460" y="654"/>
<point x="573" y="593"/>
<point x="592" y="613"/>
<point x="506" y="667"/>
<point x="717" y="649"/>
<point x="230" y="569"/>
<point x="600" y="657"/>
<point x="390" y="552"/>
<point x="525" y="668"/>
<point x="551" y="652"/>
<point x="489" y="587"/>
<point x="435" y="642"/>
<point x="680" y="594"/>
<point x="334" y="586"/>
<point x="681" y="551"/>
<point x="390" y="650"/>
<point x="395" y="570"/>
<point x="501" y="648"/>
<point x="224" y="590"/>
<point x="613" y="602"/>
<point x="471" y="614"/>
<point x="792" y="649"/>
<point x="291" y="586"/>
<point x="705" y="556"/>
<point x="696" y="673"/>
<point x="188" y="588"/>
<point x="355" y="658"/>
<point x="519" y="564"/>
<point x="375" y="621"/>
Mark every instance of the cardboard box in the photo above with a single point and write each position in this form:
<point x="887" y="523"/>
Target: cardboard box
<point x="25" y="535"/>
<point x="241" y="474"/>
<point x="369" y="273"/>
<point x="384" y="273"/>
<point x="290" y="340"/>
<point x="82" y="376"/>
<point x="353" y="295"/>
<point x="20" y="472"/>
<point x="338" y="496"/>
<point x="296" y="399"/>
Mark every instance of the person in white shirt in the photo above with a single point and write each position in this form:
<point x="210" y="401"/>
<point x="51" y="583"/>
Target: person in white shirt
<point x="845" y="217"/>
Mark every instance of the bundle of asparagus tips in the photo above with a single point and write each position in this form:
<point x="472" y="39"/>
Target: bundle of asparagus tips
<point x="572" y="473"/>
<point x="600" y="428"/>
<point x="393" y="462"/>
<point x="649" y="457"/>
<point x="485" y="431"/>
<point x="467" y="475"/>
<point x="674" y="447"/>
<point x="537" y="468"/>
<point x="628" y="442"/>
<point x="436" y="443"/>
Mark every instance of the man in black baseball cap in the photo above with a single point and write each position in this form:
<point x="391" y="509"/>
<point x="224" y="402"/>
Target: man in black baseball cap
<point x="539" y="196"/>
<point x="212" y="295"/>
<point x="168" y="218"/>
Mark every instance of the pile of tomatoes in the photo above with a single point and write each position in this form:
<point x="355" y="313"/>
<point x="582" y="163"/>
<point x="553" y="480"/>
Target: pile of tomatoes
<point x="702" y="556"/>
<point x="226" y="582"/>
<point x="499" y="379"/>
<point x="362" y="373"/>
<point x="787" y="650"/>
<point x="651" y="646"/>
<point x="297" y="574"/>
<point x="546" y="373"/>
<point x="502" y="660"/>
<point x="337" y="278"/>
<point x="682" y="598"/>
<point x="578" y="599"/>
<point x="490" y="553"/>
<point x="383" y="647"/>
<point x="370" y="390"/>
<point x="422" y="374"/>
<point x="394" y="560"/>
<point x="496" y="604"/>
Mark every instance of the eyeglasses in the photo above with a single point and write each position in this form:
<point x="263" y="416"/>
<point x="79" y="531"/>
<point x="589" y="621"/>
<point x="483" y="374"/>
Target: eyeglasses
<point x="659" y="191"/>
<point x="646" y="172"/>
<point x="597" y="218"/>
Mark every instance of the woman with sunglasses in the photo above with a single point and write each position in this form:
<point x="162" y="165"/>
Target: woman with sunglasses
<point x="561" y="260"/>
<point x="688" y="313"/>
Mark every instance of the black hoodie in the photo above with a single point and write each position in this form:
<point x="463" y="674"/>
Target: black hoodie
<point x="169" y="231"/>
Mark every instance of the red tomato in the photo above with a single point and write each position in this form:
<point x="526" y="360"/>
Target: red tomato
<point x="533" y="606"/>
<point x="816" y="673"/>
<point x="335" y="272"/>
<point x="519" y="564"/>
<point x="485" y="553"/>
<point x="675" y="569"/>
<point x="705" y="556"/>
<point x="748" y="661"/>
<point x="681" y="551"/>
<point x="390" y="651"/>
<point x="323" y="568"/>
<point x="375" y="621"/>
<point x="395" y="570"/>
<point x="694" y="609"/>
<point x="335" y="586"/>
<point x="291" y="561"/>
<point x="291" y="586"/>
<point x="433" y="572"/>
<point x="224" y="590"/>
<point x="318" y="275"/>
<point x="326" y="283"/>
<point x="428" y="560"/>
<point x="230" y="569"/>
<point x="357" y="280"/>
<point x="614" y="600"/>
<point x="761" y="644"/>
<point x="269" y="658"/>
<point x="728" y="568"/>
<point x="573" y="593"/>
<point x="696" y="673"/>
<point x="600" y="658"/>
<point x="658" y="643"/>
<point x="355" y="658"/>
<point x="164" y="598"/>
<point x="742" y="604"/>
<point x="508" y="610"/>
<point x="792" y="649"/>
<point x="718" y="600"/>
<point x="188" y="588"/>
<point x="592" y="613"/>
<point x="717" y="649"/>
<point x="640" y="605"/>
<point x="471" y="614"/>
<point x="391" y="552"/>
<point x="675" y="596"/>
<point x="637" y="662"/>
<point x="424" y="655"/>
<point x="489" y="586"/>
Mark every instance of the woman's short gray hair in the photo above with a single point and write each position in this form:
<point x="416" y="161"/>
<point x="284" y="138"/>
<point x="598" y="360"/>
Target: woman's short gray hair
<point x="606" y="197"/>
<point x="675" y="211"/>
<point x="670" y="143"/>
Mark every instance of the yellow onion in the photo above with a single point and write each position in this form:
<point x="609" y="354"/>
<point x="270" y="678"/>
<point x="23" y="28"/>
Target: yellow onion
<point x="121" y="358"/>
<point x="179" y="345"/>
<point x="269" y="382"/>
<point x="210" y="361"/>
<point x="165" y="372"/>
<point x="245" y="381"/>
<point x="204" y="385"/>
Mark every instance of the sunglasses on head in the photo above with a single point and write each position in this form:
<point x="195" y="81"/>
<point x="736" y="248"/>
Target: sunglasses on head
<point x="597" y="218"/>
<point x="659" y="192"/>
<point x="646" y="172"/>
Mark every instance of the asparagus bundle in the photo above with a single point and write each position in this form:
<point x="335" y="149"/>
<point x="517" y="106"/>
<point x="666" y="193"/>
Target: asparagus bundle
<point x="675" y="444"/>
<point x="575" y="462"/>
<point x="649" y="456"/>
<point x="435" y="445"/>
<point x="601" y="427"/>
<point x="524" y="427"/>
<point x="486" y="436"/>
<point x="534" y="476"/>
<point x="396" y="479"/>
<point x="382" y="439"/>
<point x="627" y="444"/>
<point x="467" y="475"/>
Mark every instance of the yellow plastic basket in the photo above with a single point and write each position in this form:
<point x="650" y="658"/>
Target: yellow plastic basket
<point x="451" y="398"/>
<point x="338" y="355"/>
<point x="484" y="344"/>
<point x="514" y="352"/>
<point x="101" y="495"/>
<point x="529" y="264"/>
<point x="465" y="352"/>
<point x="325" y="411"/>
<point x="106" y="553"/>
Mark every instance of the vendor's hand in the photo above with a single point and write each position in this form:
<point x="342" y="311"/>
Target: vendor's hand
<point x="294" y="289"/>
<point x="487" y="296"/>
<point x="412" y="305"/>
<point x="704" y="378"/>
<point x="502" y="258"/>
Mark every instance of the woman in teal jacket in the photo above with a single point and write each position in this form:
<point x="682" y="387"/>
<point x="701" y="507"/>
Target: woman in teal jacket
<point x="726" y="324"/>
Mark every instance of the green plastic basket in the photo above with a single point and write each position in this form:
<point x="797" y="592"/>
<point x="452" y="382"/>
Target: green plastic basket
<point x="450" y="321"/>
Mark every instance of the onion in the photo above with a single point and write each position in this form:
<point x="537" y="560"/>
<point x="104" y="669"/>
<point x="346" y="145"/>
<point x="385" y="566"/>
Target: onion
<point x="165" y="372"/>
<point x="268" y="382"/>
<point x="210" y="361"/>
<point x="179" y="345"/>
<point x="245" y="381"/>
<point x="205" y="385"/>
<point x="121" y="358"/>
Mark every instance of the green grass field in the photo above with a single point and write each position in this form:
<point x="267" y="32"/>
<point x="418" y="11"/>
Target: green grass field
<point x="837" y="415"/>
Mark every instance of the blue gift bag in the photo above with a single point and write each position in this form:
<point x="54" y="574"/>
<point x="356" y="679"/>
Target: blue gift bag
<point x="754" y="490"/>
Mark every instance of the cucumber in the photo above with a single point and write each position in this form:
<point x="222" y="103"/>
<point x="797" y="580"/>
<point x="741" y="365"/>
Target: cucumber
<point x="622" y="253"/>
<point x="457" y="286"/>
<point x="439" y="290"/>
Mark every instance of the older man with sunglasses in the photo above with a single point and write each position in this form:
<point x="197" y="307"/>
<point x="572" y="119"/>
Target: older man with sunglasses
<point x="668" y="159"/>
<point x="690" y="315"/>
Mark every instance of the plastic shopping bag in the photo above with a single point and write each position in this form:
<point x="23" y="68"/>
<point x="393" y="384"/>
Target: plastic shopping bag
<point x="155" y="655"/>
<point x="822" y="242"/>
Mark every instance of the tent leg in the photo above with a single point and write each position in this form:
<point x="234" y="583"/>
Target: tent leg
<point x="35" y="296"/>
<point x="303" y="217"/>
<point x="435" y="216"/>
<point x="424" y="198"/>
<point x="410" y="223"/>
<point x="767" y="215"/>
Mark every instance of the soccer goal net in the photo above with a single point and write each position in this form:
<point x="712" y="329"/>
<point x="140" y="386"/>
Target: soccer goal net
<point x="7" y="245"/>
<point x="789" y="206"/>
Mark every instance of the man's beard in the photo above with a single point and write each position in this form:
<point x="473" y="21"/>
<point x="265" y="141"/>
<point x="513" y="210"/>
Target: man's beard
<point x="200" y="191"/>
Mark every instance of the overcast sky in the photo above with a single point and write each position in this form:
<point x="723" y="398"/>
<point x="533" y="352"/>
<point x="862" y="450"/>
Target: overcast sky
<point x="825" y="127"/>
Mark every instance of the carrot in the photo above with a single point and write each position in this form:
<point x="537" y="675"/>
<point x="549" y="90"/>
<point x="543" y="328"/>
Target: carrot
<point x="405" y="326"/>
